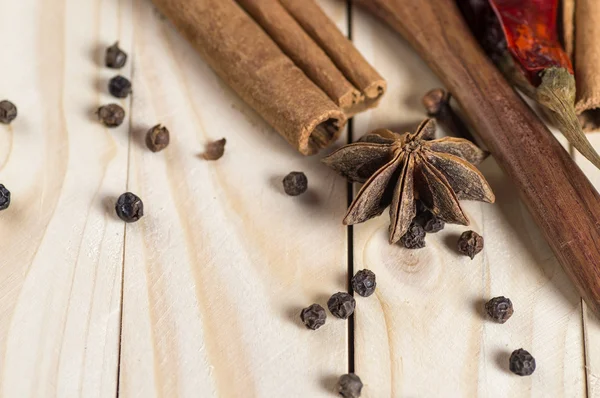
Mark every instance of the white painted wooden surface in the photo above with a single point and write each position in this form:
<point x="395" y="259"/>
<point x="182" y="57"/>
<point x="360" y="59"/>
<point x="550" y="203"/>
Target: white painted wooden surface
<point x="60" y="268"/>
<point x="425" y="333"/>
<point x="202" y="296"/>
<point x="218" y="270"/>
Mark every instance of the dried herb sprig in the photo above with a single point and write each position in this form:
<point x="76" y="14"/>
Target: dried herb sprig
<point x="398" y="169"/>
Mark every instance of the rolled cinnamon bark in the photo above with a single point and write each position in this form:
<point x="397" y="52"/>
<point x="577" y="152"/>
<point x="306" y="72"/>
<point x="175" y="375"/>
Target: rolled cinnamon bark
<point x="246" y="58"/>
<point x="587" y="62"/>
<point x="302" y="49"/>
<point x="568" y="26"/>
<point x="341" y="51"/>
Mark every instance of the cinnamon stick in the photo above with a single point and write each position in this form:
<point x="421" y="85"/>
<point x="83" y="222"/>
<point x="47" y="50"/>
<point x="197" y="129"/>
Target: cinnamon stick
<point x="248" y="60"/>
<point x="568" y="27"/>
<point x="560" y="198"/>
<point x="341" y="51"/>
<point x="587" y="62"/>
<point x="305" y="53"/>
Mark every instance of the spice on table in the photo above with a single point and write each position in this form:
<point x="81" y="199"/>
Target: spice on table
<point x="521" y="363"/>
<point x="521" y="37"/>
<point x="437" y="106"/>
<point x="119" y="86"/>
<point x="500" y="309"/>
<point x="157" y="138"/>
<point x="341" y="305"/>
<point x="313" y="316"/>
<point x="8" y="112"/>
<point x="350" y="386"/>
<point x="470" y="243"/>
<point x="214" y="150"/>
<point x="430" y="223"/>
<point x="234" y="44"/>
<point x="129" y="207"/>
<point x="295" y="183"/>
<point x="364" y="282"/>
<point x="439" y="172"/>
<point x="111" y="115"/>
<point x="115" y="57"/>
<point x="414" y="238"/>
<point x="4" y="197"/>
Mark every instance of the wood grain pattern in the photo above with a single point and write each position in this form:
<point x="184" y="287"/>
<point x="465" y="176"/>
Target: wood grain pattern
<point x="591" y="323"/>
<point x="60" y="272"/>
<point x="218" y="270"/>
<point x="424" y="332"/>
<point x="560" y="198"/>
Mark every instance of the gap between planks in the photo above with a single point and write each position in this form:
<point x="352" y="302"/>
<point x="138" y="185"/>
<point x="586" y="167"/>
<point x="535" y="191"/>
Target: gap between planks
<point x="349" y="228"/>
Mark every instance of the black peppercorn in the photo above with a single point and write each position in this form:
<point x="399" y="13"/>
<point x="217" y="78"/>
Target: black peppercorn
<point x="295" y="183"/>
<point x="470" y="243"/>
<point x="4" y="197"/>
<point x="364" y="283"/>
<point x="119" y="86"/>
<point x="115" y="57"/>
<point x="521" y="363"/>
<point x="499" y="309"/>
<point x="414" y="238"/>
<point x="431" y="224"/>
<point x="111" y="115"/>
<point x="129" y="207"/>
<point x="8" y="112"/>
<point x="350" y="386"/>
<point x="341" y="305"/>
<point x="157" y="138"/>
<point x="313" y="316"/>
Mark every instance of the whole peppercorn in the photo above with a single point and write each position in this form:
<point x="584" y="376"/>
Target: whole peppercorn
<point x="499" y="309"/>
<point x="431" y="224"/>
<point x="8" y="112"/>
<point x="214" y="150"/>
<point x="4" y="197"/>
<point x="157" y="138"/>
<point x="341" y="305"/>
<point x="115" y="57"/>
<point x="295" y="183"/>
<point x="111" y="115"/>
<point x="521" y="363"/>
<point x="364" y="283"/>
<point x="129" y="207"/>
<point x="119" y="86"/>
<point x="350" y="386"/>
<point x="414" y="238"/>
<point x="313" y="316"/>
<point x="470" y="243"/>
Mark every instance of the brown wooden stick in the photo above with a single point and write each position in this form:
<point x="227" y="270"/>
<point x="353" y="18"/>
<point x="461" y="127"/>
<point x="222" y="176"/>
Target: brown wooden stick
<point x="246" y="58"/>
<point x="560" y="198"/>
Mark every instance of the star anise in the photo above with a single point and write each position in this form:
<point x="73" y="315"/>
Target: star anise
<point x="398" y="169"/>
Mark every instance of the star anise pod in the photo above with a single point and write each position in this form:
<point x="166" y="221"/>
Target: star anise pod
<point x="398" y="169"/>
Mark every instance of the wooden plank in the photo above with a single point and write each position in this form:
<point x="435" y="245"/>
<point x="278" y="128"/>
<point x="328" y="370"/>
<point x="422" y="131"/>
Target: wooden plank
<point x="221" y="264"/>
<point x="424" y="332"/>
<point x="60" y="270"/>
<point x="591" y="323"/>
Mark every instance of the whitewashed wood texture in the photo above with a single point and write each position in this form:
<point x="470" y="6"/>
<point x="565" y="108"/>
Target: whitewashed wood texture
<point x="424" y="333"/>
<point x="218" y="270"/>
<point x="202" y="296"/>
<point x="60" y="268"/>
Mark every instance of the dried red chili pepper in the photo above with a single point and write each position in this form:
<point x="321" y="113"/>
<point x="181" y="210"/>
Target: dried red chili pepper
<point x="530" y="31"/>
<point x="520" y="36"/>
